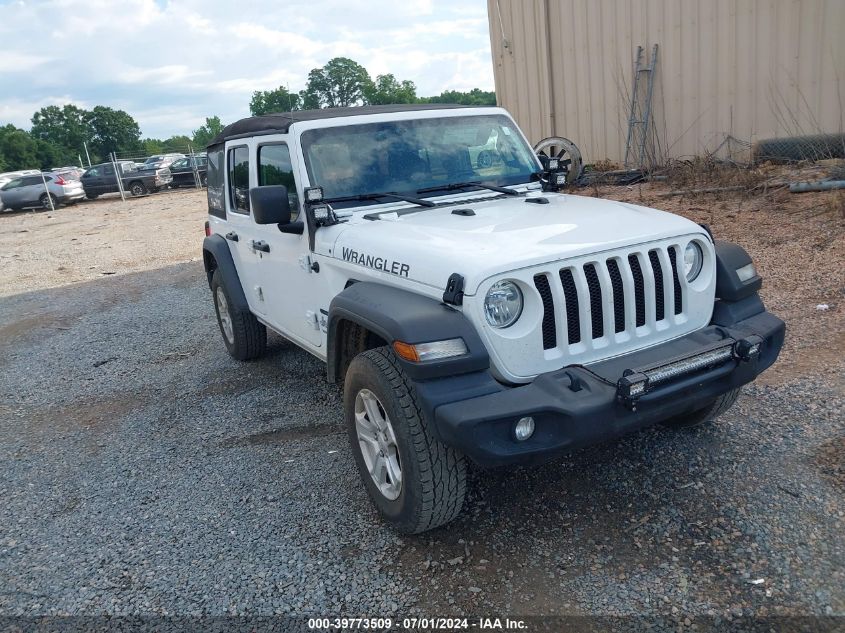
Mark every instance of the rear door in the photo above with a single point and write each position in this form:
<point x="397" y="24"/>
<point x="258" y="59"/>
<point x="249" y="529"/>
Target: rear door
<point x="239" y="225"/>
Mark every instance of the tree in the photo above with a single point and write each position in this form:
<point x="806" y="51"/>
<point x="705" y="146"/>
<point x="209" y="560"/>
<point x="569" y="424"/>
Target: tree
<point x="387" y="89"/>
<point x="66" y="128"/>
<point x="341" y="82"/>
<point x="17" y="148"/>
<point x="113" y="131"/>
<point x="151" y="146"/>
<point x="476" y="97"/>
<point x="278" y="100"/>
<point x="212" y="127"/>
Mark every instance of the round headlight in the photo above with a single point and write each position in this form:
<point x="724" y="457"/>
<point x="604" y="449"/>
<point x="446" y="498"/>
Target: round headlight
<point x="693" y="260"/>
<point x="503" y="304"/>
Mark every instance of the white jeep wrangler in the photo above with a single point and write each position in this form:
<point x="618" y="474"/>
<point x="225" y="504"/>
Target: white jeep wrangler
<point x="469" y="309"/>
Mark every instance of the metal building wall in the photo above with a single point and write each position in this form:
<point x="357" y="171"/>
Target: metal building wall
<point x="750" y="69"/>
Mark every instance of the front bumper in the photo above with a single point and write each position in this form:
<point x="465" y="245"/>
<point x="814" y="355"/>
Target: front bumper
<point x="578" y="406"/>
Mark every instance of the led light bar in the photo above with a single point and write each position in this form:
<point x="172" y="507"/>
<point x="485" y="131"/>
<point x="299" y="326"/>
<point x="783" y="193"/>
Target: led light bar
<point x="636" y="383"/>
<point x="689" y="365"/>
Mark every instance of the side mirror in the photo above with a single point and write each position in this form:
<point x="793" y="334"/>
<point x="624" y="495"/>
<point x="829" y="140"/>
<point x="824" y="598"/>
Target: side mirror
<point x="270" y="204"/>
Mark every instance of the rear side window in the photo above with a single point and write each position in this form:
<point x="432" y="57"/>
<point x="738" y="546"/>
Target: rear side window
<point x="274" y="168"/>
<point x="216" y="195"/>
<point x="33" y="180"/>
<point x="239" y="179"/>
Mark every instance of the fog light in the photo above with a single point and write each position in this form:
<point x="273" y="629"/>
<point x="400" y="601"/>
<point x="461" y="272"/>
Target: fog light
<point x="524" y="429"/>
<point x="748" y="348"/>
<point x="321" y="212"/>
<point x="313" y="194"/>
<point x="632" y="386"/>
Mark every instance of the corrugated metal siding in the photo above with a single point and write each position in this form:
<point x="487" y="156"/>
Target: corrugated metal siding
<point x="750" y="69"/>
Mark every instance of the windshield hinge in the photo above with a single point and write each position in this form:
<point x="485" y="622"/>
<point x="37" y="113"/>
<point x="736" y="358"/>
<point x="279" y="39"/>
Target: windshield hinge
<point x="454" y="293"/>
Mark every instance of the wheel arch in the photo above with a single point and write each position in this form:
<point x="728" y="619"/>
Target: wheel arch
<point x="375" y="313"/>
<point x="217" y="256"/>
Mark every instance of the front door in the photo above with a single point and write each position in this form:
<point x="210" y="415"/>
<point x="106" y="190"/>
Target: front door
<point x="273" y="267"/>
<point x="292" y="290"/>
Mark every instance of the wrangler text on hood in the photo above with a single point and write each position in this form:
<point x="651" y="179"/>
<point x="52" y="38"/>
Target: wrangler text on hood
<point x="378" y="263"/>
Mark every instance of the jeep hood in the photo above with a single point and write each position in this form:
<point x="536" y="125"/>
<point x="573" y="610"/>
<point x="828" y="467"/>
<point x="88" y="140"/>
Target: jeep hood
<point x="503" y="235"/>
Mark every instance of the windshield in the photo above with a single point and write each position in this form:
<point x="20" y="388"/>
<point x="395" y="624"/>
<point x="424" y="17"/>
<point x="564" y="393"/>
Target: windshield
<point x="408" y="156"/>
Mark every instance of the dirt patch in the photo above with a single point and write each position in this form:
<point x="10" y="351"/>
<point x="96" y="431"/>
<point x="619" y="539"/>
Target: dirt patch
<point x="830" y="460"/>
<point x="41" y="250"/>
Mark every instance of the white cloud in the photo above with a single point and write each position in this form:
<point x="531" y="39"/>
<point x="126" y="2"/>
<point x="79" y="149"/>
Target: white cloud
<point x="172" y="63"/>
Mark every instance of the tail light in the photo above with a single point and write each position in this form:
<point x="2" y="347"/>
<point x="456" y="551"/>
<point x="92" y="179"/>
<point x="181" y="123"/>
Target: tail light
<point x="207" y="229"/>
<point x="59" y="181"/>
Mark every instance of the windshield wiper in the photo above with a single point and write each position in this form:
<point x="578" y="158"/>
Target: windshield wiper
<point x="462" y="185"/>
<point x="376" y="196"/>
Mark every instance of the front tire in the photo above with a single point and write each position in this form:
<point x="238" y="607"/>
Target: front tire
<point x="244" y="335"/>
<point x="706" y="414"/>
<point x="416" y="482"/>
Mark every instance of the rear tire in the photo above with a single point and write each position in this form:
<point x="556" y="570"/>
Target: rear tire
<point x="245" y="337"/>
<point x="44" y="201"/>
<point x="137" y="188"/>
<point x="431" y="475"/>
<point x="707" y="414"/>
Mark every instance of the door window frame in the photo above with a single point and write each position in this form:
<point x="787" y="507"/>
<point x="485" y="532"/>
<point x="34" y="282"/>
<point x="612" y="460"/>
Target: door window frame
<point x="295" y="213"/>
<point x="231" y="207"/>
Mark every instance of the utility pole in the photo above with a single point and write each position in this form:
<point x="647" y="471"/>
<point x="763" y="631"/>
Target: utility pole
<point x="87" y="155"/>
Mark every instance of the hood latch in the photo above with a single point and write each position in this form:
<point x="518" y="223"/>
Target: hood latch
<point x="454" y="292"/>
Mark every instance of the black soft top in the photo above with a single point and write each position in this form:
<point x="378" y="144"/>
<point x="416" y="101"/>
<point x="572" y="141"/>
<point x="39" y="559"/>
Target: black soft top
<point x="281" y="122"/>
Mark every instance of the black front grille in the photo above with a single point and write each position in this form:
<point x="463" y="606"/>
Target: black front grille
<point x="606" y="293"/>
<point x="673" y="257"/>
<point x="570" y="294"/>
<point x="596" y="310"/>
<point x="541" y="282"/>
<point x="639" y="288"/>
<point x="659" y="296"/>
<point x="618" y="295"/>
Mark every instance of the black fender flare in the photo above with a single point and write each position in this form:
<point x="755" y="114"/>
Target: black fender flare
<point x="729" y="258"/>
<point x="216" y="249"/>
<point x="398" y="315"/>
<point x="736" y="300"/>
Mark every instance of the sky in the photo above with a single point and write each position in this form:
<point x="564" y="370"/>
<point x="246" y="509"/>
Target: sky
<point x="172" y="63"/>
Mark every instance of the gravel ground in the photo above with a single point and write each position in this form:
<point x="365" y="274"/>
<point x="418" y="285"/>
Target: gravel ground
<point x="146" y="472"/>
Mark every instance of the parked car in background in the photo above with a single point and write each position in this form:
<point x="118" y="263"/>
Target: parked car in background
<point x="161" y="160"/>
<point x="28" y="191"/>
<point x="100" y="179"/>
<point x="11" y="175"/>
<point x="71" y="172"/>
<point x="183" y="171"/>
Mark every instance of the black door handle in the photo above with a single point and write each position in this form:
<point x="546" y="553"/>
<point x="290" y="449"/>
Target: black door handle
<point x="261" y="245"/>
<point x="231" y="235"/>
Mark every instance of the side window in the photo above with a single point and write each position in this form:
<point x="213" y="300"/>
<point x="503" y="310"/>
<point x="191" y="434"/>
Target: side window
<point x="274" y="168"/>
<point x="12" y="184"/>
<point x="239" y="179"/>
<point x="33" y="180"/>
<point x="108" y="170"/>
<point x="214" y="176"/>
